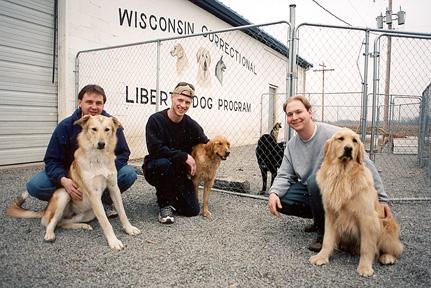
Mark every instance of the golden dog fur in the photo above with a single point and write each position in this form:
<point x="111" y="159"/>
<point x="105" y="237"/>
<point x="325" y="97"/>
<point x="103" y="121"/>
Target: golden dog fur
<point x="208" y="157"/>
<point x="93" y="170"/>
<point x="354" y="218"/>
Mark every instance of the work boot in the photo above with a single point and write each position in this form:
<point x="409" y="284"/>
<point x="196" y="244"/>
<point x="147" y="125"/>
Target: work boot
<point x="316" y="244"/>
<point x="310" y="228"/>
<point x="110" y="210"/>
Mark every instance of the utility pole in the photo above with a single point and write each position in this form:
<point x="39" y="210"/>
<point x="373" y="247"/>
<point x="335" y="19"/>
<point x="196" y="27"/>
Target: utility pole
<point x="401" y="17"/>
<point x="388" y="75"/>
<point x="323" y="70"/>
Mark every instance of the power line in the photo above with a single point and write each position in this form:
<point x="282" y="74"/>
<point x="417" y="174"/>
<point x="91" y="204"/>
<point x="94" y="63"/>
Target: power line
<point x="331" y="13"/>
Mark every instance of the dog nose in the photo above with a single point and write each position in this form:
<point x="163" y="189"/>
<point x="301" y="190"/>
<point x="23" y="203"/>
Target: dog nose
<point x="100" y="145"/>
<point x="227" y="153"/>
<point x="347" y="150"/>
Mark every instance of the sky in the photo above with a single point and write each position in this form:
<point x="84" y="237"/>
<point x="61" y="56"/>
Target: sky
<point x="361" y="13"/>
<point x="410" y="61"/>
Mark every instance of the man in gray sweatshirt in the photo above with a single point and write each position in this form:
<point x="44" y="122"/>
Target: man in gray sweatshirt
<point x="295" y="191"/>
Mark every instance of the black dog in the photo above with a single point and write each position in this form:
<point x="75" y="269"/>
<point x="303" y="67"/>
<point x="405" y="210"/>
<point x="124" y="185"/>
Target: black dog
<point x="269" y="155"/>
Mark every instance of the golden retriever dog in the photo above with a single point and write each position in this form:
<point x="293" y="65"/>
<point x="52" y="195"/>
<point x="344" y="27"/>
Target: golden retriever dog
<point x="93" y="170"/>
<point x="182" y="60"/>
<point x="354" y="218"/>
<point x="208" y="157"/>
<point x="203" y="57"/>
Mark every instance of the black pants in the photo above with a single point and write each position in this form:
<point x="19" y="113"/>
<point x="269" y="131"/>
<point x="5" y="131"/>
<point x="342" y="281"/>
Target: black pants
<point x="173" y="187"/>
<point x="305" y="201"/>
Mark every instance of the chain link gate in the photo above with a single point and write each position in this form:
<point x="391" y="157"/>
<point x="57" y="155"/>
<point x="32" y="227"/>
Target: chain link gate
<point x="249" y="82"/>
<point x="425" y="131"/>
<point x="401" y="122"/>
<point x="338" y="88"/>
<point x="240" y="98"/>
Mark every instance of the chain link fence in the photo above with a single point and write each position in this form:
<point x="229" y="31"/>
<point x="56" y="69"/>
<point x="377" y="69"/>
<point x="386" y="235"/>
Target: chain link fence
<point x="241" y="78"/>
<point x="425" y="131"/>
<point x="402" y="74"/>
<point x="387" y="114"/>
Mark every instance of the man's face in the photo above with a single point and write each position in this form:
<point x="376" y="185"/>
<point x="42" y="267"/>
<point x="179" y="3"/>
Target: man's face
<point x="180" y="104"/>
<point x="298" y="116"/>
<point x="91" y="104"/>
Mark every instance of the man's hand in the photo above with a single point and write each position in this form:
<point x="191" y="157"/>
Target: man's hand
<point x="71" y="188"/>
<point x="274" y="204"/>
<point x="387" y="210"/>
<point x="192" y="164"/>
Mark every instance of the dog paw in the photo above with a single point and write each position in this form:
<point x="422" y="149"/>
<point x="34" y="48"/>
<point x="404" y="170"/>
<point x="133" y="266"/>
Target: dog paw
<point x="132" y="230"/>
<point x="115" y="244"/>
<point x="49" y="237"/>
<point x="365" y="271"/>
<point x="387" y="259"/>
<point x="206" y="213"/>
<point x="86" y="227"/>
<point x="318" y="260"/>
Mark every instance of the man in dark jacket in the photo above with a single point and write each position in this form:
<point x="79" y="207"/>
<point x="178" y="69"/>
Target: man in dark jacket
<point x="62" y="146"/>
<point x="170" y="136"/>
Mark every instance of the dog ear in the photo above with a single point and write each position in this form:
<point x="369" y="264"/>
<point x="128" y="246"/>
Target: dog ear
<point x="117" y="123"/>
<point x="209" y="58"/>
<point x="209" y="147"/>
<point x="82" y="121"/>
<point x="180" y="50"/>
<point x="326" y="148"/>
<point x="198" y="54"/>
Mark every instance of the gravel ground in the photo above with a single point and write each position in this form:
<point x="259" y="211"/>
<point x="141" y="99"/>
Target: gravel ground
<point x="243" y="246"/>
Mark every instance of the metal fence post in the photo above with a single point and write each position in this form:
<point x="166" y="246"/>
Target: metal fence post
<point x="376" y="55"/>
<point x="158" y="76"/>
<point x="291" y="85"/>
<point x="76" y="78"/>
<point x="365" y="87"/>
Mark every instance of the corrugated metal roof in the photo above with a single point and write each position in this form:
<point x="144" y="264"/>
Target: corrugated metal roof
<point x="231" y="17"/>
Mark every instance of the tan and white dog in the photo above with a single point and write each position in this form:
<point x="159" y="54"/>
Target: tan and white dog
<point x="182" y="61"/>
<point x="93" y="170"/>
<point x="203" y="57"/>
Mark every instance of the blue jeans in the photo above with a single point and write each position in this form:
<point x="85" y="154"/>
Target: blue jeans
<point x="305" y="201"/>
<point x="41" y="187"/>
<point x="173" y="187"/>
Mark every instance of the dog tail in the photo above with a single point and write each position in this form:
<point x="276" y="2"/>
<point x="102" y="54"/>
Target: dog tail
<point x="15" y="209"/>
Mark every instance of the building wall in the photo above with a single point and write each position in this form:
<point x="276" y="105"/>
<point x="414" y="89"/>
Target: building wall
<point x="31" y="104"/>
<point x="94" y="24"/>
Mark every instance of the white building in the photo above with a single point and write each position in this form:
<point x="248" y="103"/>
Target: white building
<point x="38" y="57"/>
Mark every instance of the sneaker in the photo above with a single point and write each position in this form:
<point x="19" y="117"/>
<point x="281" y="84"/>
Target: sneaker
<point x="316" y="245"/>
<point x="166" y="215"/>
<point x="310" y="228"/>
<point x="110" y="211"/>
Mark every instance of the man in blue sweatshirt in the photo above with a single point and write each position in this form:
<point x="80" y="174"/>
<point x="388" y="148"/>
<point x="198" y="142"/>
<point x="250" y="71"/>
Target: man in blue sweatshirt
<point x="295" y="191"/>
<point x="62" y="146"/>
